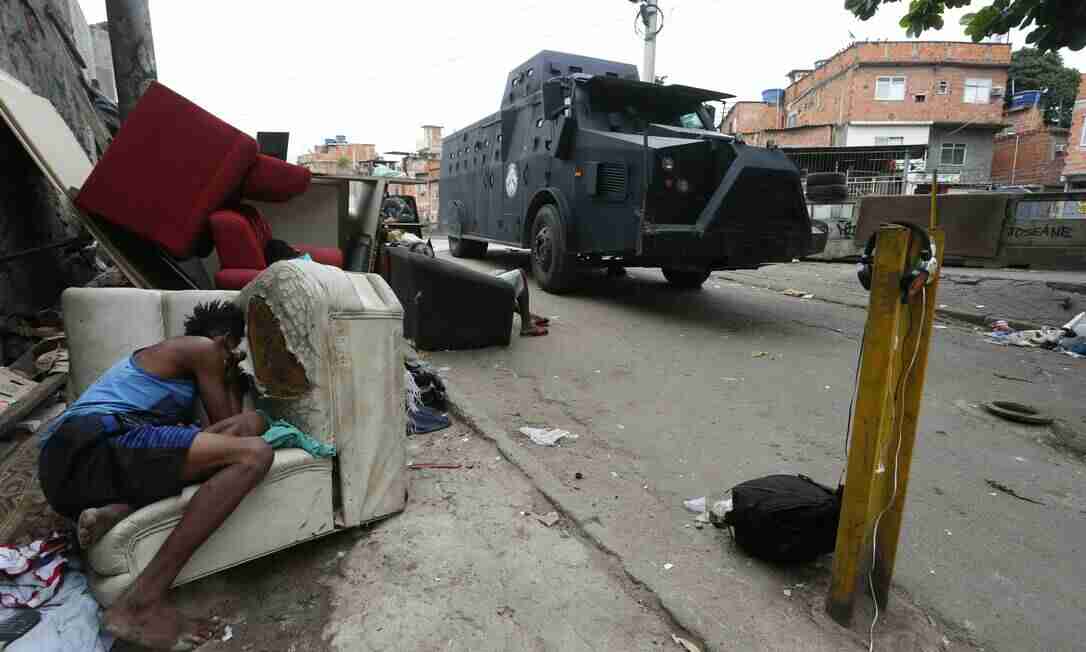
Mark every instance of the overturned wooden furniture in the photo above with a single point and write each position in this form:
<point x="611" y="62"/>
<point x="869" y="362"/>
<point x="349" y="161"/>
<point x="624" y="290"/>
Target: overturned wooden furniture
<point x="326" y="356"/>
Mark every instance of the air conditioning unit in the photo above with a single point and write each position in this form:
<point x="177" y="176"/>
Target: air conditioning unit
<point x="997" y="91"/>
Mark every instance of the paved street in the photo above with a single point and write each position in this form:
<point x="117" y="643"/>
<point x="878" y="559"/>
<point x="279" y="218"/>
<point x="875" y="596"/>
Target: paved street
<point x="672" y="398"/>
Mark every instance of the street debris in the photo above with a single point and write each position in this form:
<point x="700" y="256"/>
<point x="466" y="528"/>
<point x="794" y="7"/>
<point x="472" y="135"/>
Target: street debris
<point x="228" y="633"/>
<point x="425" y="399"/>
<point x="548" y="519"/>
<point x="999" y="486"/>
<point x="788" y="593"/>
<point x="433" y="465"/>
<point x="547" y="436"/>
<point x="1016" y="378"/>
<point x="669" y="566"/>
<point x="759" y="354"/>
<point x="695" y="505"/>
<point x="799" y="294"/>
<point x="578" y="476"/>
<point x="685" y="644"/>
<point x="1018" y="413"/>
<point x="1069" y="339"/>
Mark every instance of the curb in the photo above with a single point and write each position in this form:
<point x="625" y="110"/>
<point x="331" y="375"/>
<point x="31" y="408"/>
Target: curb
<point x="960" y="315"/>
<point x="562" y="498"/>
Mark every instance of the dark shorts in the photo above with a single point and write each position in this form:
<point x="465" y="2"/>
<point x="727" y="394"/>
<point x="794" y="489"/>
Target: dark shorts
<point x="92" y="461"/>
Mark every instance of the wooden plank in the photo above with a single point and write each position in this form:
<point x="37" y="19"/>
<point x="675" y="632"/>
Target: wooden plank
<point x="865" y="480"/>
<point x="17" y="411"/>
<point x="917" y="343"/>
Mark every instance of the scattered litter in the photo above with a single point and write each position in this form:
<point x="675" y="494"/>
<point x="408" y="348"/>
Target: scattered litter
<point x="702" y="518"/>
<point x="788" y="593"/>
<point x="1077" y="325"/>
<point x="614" y="475"/>
<point x="1010" y="492"/>
<point x="695" y="505"/>
<point x="759" y="354"/>
<point x="1006" y="377"/>
<point x="547" y="436"/>
<point x="799" y="294"/>
<point x="597" y="371"/>
<point x="731" y="380"/>
<point x="980" y="307"/>
<point x="1019" y="459"/>
<point x="444" y="369"/>
<point x="943" y="306"/>
<point x="548" y="519"/>
<point x="620" y="426"/>
<point x="466" y="439"/>
<point x="429" y="465"/>
<point x="1001" y="326"/>
<point x="685" y="644"/>
<point x="669" y="566"/>
<point x="578" y="476"/>
<point x="228" y="633"/>
<point x="939" y="327"/>
<point x="949" y="533"/>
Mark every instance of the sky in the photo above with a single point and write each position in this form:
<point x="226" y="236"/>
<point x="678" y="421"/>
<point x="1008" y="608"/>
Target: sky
<point x="375" y="71"/>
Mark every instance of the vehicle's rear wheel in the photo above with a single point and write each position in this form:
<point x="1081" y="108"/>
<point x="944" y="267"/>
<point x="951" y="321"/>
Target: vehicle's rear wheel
<point x="553" y="267"/>
<point x="685" y="279"/>
<point x="463" y="248"/>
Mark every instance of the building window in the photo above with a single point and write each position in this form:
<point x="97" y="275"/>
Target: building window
<point x="889" y="140"/>
<point x="792" y="119"/>
<point x="1083" y="141"/>
<point x="943" y="88"/>
<point x="977" y="91"/>
<point x="952" y="154"/>
<point x="890" y="88"/>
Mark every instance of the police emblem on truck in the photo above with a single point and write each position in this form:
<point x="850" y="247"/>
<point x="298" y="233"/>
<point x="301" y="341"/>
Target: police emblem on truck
<point x="511" y="180"/>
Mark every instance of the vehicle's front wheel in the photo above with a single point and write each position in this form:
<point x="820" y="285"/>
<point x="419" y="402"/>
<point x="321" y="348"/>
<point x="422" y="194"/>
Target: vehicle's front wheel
<point x="462" y="248"/>
<point x="685" y="279"/>
<point x="552" y="265"/>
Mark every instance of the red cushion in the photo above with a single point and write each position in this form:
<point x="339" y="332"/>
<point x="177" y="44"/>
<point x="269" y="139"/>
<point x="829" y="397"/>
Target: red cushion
<point x="271" y="179"/>
<point x="239" y="240"/>
<point x="235" y="279"/>
<point x="170" y="165"/>
<point x="323" y="255"/>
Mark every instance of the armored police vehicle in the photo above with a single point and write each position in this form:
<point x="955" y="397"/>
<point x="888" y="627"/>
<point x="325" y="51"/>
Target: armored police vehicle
<point x="585" y="165"/>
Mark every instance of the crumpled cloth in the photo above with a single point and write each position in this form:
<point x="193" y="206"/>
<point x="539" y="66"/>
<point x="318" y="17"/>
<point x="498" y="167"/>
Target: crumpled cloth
<point x="71" y="620"/>
<point x="1046" y="337"/>
<point x="30" y="575"/>
<point x="281" y="434"/>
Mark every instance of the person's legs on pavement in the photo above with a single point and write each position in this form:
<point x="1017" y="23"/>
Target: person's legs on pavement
<point x="230" y="467"/>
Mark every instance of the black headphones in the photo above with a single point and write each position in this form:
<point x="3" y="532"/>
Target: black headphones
<point x="913" y="278"/>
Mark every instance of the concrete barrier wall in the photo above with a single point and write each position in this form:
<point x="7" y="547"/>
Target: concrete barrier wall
<point x="973" y="223"/>
<point x="1046" y="232"/>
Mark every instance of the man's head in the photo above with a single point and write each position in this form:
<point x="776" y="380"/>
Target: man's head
<point x="219" y="320"/>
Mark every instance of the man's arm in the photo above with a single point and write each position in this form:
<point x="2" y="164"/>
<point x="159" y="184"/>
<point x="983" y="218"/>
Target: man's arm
<point x="212" y="368"/>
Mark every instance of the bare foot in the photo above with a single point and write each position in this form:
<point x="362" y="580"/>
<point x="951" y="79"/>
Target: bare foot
<point x="95" y="522"/>
<point x="540" y="321"/>
<point x="533" y="331"/>
<point x="155" y="626"/>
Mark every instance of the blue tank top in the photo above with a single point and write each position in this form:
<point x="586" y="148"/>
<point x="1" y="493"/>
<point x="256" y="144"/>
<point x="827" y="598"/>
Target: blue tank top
<point x="126" y="389"/>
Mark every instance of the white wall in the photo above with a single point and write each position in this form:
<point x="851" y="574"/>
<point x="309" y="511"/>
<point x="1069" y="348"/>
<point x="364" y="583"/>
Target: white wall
<point x="864" y="135"/>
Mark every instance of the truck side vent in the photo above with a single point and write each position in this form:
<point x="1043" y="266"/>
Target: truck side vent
<point x="611" y="179"/>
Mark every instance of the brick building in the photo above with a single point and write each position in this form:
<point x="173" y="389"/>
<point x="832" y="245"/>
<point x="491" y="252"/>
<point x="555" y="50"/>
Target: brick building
<point x="1029" y="152"/>
<point x="751" y="120"/>
<point x="1074" y="167"/>
<point x="948" y="96"/>
<point x="337" y="156"/>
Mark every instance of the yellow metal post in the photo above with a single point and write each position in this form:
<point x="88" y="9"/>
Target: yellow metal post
<point x="885" y="414"/>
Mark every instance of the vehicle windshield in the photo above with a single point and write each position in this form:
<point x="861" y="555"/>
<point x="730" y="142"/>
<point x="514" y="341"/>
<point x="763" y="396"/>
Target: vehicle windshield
<point x="632" y="114"/>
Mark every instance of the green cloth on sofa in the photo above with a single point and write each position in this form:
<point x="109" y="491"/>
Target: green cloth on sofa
<point x="281" y="434"/>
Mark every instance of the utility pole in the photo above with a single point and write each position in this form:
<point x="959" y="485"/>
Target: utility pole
<point x="133" y="50"/>
<point x="650" y="18"/>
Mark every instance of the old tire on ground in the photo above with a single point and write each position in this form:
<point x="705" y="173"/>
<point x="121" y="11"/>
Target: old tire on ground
<point x="816" y="179"/>
<point x="553" y="267"/>
<point x="1018" y="413"/>
<point x="828" y="193"/>
<point x="463" y="248"/>
<point x="685" y="279"/>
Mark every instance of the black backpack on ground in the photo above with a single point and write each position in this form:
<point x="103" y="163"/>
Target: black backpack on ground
<point x="785" y="518"/>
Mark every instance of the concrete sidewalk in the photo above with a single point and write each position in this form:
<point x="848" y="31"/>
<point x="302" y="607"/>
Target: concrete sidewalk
<point x="980" y="296"/>
<point x="469" y="565"/>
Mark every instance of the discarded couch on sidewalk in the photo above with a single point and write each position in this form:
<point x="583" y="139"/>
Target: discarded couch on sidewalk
<point x="325" y="351"/>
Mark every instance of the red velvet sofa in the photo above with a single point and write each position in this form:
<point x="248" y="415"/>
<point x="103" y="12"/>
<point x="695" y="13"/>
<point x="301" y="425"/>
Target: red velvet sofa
<point x="171" y="166"/>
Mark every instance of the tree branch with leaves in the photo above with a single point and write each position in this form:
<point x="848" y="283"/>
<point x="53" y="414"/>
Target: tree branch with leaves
<point x="1055" y="23"/>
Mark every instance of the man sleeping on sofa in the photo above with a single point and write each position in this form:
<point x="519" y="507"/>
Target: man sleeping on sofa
<point x="130" y="440"/>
